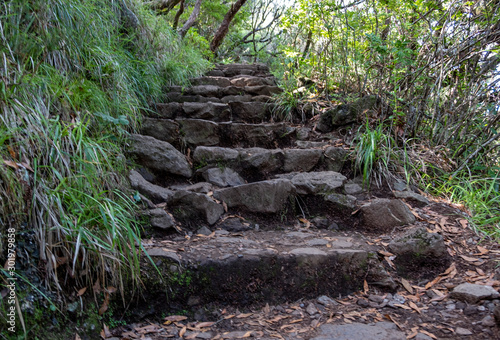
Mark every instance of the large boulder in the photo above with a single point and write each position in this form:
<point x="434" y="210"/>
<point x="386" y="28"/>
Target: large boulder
<point x="191" y="205"/>
<point x="385" y="214"/>
<point x="252" y="134"/>
<point x="301" y="159"/>
<point x="154" y="192"/>
<point x="159" y="218"/>
<point x="217" y="112"/>
<point x="166" y="130"/>
<point x="346" y="113"/>
<point x="248" y="111"/>
<point x="168" y="110"/>
<point x="334" y="158"/>
<point x="246" y="80"/>
<point x="266" y="196"/>
<point x="223" y="177"/>
<point x="342" y="201"/>
<point x="159" y="155"/>
<point x="312" y="183"/>
<point x="215" y="81"/>
<point x="207" y="154"/>
<point x="260" y="159"/>
<point x="419" y="242"/>
<point x="199" y="132"/>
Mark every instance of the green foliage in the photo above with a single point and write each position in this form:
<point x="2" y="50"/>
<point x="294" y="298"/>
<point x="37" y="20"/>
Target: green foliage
<point x="75" y="76"/>
<point x="374" y="154"/>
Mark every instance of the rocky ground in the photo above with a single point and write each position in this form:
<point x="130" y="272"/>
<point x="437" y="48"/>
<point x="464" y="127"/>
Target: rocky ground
<point x="260" y="230"/>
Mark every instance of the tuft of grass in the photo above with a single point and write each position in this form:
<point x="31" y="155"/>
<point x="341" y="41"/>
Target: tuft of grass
<point x="74" y="79"/>
<point x="376" y="154"/>
<point x="480" y="194"/>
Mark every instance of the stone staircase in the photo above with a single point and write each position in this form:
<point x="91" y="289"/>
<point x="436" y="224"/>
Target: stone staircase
<point x="249" y="210"/>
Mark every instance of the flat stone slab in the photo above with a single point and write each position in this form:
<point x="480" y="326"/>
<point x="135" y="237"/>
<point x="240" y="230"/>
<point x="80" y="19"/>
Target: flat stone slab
<point x="265" y="196"/>
<point x="473" y="293"/>
<point x="361" y="331"/>
<point x="249" y="266"/>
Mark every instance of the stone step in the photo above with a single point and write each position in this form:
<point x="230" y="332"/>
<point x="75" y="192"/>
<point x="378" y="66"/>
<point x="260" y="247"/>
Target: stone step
<point x="260" y="161"/>
<point x="250" y="112"/>
<point x="213" y="91"/>
<point x="198" y="132"/>
<point x="258" y="267"/>
<point x="231" y="70"/>
<point x="238" y="81"/>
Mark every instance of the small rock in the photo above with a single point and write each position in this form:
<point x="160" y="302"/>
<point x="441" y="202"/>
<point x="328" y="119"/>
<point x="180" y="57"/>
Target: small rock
<point x="204" y="231"/>
<point x="463" y="331"/>
<point x="470" y="310"/>
<point x="399" y="186"/>
<point x="496" y="313"/>
<point x="234" y="224"/>
<point x="205" y="335"/>
<point x="311" y="309"/>
<point x="161" y="219"/>
<point x="223" y="177"/>
<point x="461" y="305"/>
<point x="488" y="321"/>
<point x="200" y="187"/>
<point x="422" y="336"/>
<point x="321" y="222"/>
<point x="385" y="214"/>
<point x="326" y="301"/>
<point x="398" y="299"/>
<point x="410" y="195"/>
<point x="481" y="308"/>
<point x="363" y="303"/>
<point x="360" y="331"/>
<point x="451" y="306"/>
<point x="376" y="298"/>
<point x="473" y="293"/>
<point x="353" y="189"/>
<point x="419" y="241"/>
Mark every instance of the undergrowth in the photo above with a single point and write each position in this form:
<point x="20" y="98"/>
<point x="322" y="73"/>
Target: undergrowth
<point x="75" y="76"/>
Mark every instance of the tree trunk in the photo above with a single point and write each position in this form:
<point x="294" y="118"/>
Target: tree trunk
<point x="224" y="26"/>
<point x="191" y="20"/>
<point x="164" y="6"/>
<point x="308" y="44"/>
<point x="178" y="15"/>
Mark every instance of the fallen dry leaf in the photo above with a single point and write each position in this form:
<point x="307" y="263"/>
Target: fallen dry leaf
<point x="482" y="250"/>
<point x="105" y="305"/>
<point x="428" y="334"/>
<point x="182" y="331"/>
<point x="241" y="316"/>
<point x="174" y="318"/>
<point x="394" y="321"/>
<point x="81" y="291"/>
<point x="407" y="285"/>
<point x="414" y="306"/>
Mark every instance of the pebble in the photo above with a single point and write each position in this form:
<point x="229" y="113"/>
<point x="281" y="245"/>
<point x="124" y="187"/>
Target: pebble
<point x="363" y="303"/>
<point x="204" y="231"/>
<point x="422" y="336"/>
<point x="463" y="331"/>
<point x="326" y="301"/>
<point x="398" y="299"/>
<point x="311" y="309"/>
<point x="481" y="308"/>
<point x="376" y="298"/>
<point x="470" y="310"/>
<point x="488" y="321"/>
<point x="451" y="306"/>
<point x="461" y="305"/>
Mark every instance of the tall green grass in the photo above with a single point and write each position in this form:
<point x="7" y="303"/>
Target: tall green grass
<point x="74" y="77"/>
